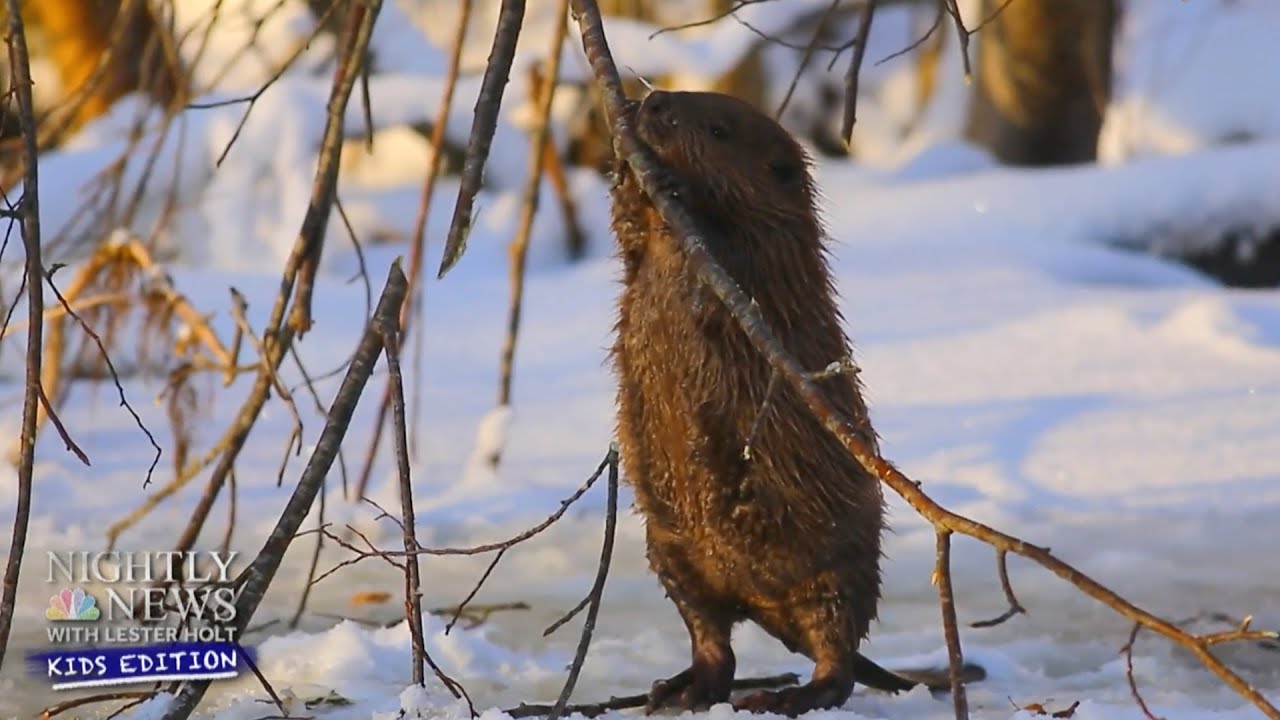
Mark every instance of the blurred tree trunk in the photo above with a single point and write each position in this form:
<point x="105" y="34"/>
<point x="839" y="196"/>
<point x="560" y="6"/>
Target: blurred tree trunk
<point x="77" y="33"/>
<point x="1043" y="77"/>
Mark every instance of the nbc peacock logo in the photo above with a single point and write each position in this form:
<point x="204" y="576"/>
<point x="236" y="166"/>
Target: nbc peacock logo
<point x="72" y="605"/>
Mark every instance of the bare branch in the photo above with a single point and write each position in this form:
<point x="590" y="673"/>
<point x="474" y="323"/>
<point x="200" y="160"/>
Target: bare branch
<point x="804" y="59"/>
<point x="855" y="69"/>
<point x="20" y="81"/>
<point x="278" y="336"/>
<point x="361" y="555"/>
<point x="294" y="444"/>
<point x="462" y="606"/>
<point x="1128" y="673"/>
<point x="597" y="589"/>
<point x="953" y="8"/>
<point x="72" y="447"/>
<point x="315" y="564"/>
<point x="937" y="23"/>
<point x="262" y="570"/>
<point x="412" y="591"/>
<point x="496" y="72"/>
<point x="132" y="695"/>
<point x="115" y="377"/>
<point x="947" y="601"/>
<point x="428" y="193"/>
<point x="306" y="256"/>
<point x="519" y="249"/>
<point x="1015" y="607"/>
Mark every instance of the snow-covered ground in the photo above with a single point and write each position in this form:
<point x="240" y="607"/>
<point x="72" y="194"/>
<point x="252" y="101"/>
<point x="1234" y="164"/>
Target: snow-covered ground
<point x="1118" y="408"/>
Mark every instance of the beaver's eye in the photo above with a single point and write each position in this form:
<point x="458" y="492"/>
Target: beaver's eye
<point x="785" y="173"/>
<point x="719" y="132"/>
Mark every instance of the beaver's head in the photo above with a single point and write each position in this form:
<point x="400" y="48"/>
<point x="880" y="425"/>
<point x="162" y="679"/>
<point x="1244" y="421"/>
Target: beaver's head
<point x="734" y="161"/>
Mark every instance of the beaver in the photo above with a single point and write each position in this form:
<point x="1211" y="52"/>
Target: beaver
<point x="752" y="510"/>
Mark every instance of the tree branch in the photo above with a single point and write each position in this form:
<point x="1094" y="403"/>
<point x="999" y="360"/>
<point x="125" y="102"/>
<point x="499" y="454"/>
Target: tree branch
<point x="496" y="74"/>
<point x="262" y="570"/>
<point x="20" y="81"/>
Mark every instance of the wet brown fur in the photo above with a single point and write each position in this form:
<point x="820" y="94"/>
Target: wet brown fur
<point x="789" y="538"/>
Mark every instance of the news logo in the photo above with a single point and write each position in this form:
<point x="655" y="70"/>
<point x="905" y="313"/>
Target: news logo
<point x="72" y="605"/>
<point x="122" y="618"/>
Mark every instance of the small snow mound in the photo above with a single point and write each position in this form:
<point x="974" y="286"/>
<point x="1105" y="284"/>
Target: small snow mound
<point x="491" y="440"/>
<point x="429" y="703"/>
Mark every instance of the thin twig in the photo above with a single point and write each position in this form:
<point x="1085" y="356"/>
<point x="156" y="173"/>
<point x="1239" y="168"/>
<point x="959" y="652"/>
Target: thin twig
<point x="963" y="33"/>
<point x="232" y="500"/>
<point x="278" y="336"/>
<point x="928" y="33"/>
<point x="115" y="376"/>
<point x="311" y="569"/>
<point x="496" y="72"/>
<point x="519" y="250"/>
<point x="262" y="570"/>
<point x="310" y="384"/>
<point x="564" y="619"/>
<point x="72" y="447"/>
<point x="1015" y="607"/>
<point x="855" y="70"/>
<point x="414" y="300"/>
<point x="597" y="589"/>
<point x="575" y="239"/>
<point x="240" y="306"/>
<point x="360" y="555"/>
<point x="129" y="706"/>
<point x="252" y="99"/>
<point x="818" y="29"/>
<point x="325" y="189"/>
<point x="1128" y="673"/>
<point x="412" y="591"/>
<point x="262" y="680"/>
<point x="54" y="313"/>
<point x="477" y="614"/>
<point x="20" y="81"/>
<point x="462" y="606"/>
<point x="765" y="406"/>
<point x="950" y="629"/>
<point x="730" y="11"/>
<point x="54" y="710"/>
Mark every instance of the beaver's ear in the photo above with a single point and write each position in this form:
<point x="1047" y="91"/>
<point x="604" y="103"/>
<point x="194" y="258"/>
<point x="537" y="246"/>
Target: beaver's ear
<point x="784" y="172"/>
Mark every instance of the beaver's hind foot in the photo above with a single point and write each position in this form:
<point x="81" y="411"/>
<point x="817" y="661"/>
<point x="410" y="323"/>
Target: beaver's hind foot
<point x="818" y="694"/>
<point x="698" y="687"/>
